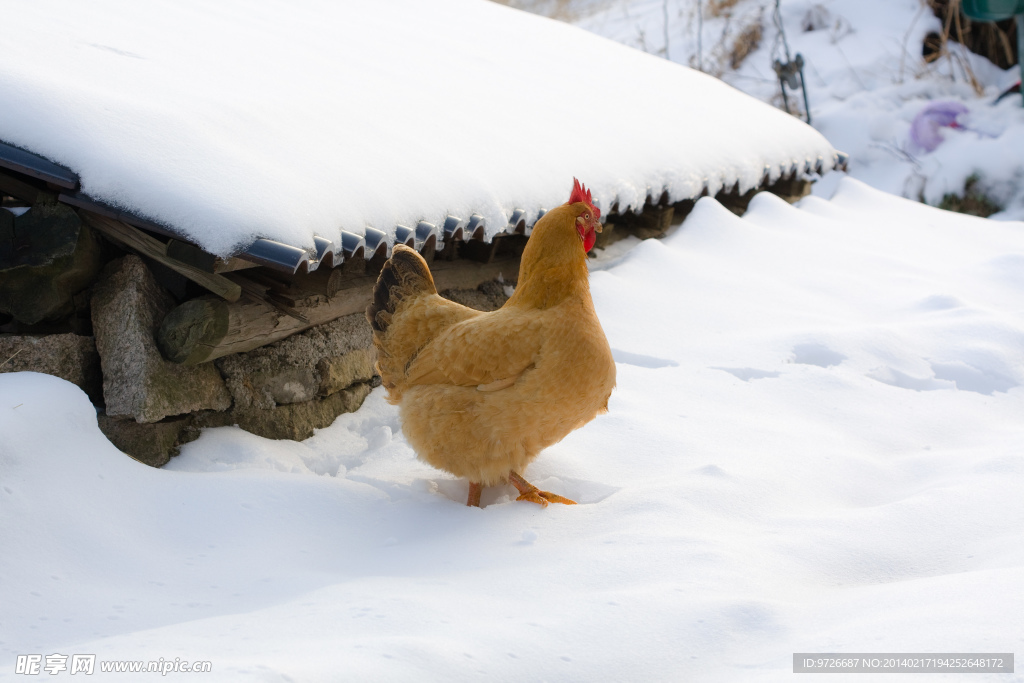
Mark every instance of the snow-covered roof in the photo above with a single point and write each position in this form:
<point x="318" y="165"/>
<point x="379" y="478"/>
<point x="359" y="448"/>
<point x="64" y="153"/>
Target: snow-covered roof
<point x="233" y="121"/>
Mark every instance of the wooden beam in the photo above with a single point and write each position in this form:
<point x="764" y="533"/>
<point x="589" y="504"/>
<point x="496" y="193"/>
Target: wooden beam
<point x="450" y="250"/>
<point x="135" y="239"/>
<point x="260" y="292"/>
<point x="653" y="222"/>
<point x="480" y="251"/>
<point x="26" y="192"/>
<point x="203" y="329"/>
<point x="192" y="255"/>
<point x="429" y="249"/>
<point x="205" y="261"/>
<point x="232" y="264"/>
<point x="324" y="280"/>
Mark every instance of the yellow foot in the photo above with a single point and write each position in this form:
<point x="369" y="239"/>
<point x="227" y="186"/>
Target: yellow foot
<point x="529" y="492"/>
<point x="542" y="498"/>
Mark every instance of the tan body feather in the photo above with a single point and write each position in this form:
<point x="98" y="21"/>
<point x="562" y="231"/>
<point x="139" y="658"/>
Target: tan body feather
<point x="481" y="394"/>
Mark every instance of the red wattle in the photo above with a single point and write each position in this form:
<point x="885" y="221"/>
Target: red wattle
<point x="589" y="239"/>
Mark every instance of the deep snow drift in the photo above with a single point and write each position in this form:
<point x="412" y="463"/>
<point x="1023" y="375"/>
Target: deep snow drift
<point x="288" y="120"/>
<point x="815" y="445"/>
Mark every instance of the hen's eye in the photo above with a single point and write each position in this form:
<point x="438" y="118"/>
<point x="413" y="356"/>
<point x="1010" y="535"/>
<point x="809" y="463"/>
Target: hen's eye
<point x="586" y="216"/>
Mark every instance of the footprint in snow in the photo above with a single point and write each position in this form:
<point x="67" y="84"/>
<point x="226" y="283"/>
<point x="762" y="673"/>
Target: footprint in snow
<point x="803" y="354"/>
<point x="747" y="374"/>
<point x="816" y="354"/>
<point x="939" y="302"/>
<point x="953" y="375"/>
<point x="378" y="438"/>
<point x="970" y="378"/>
<point x="712" y="471"/>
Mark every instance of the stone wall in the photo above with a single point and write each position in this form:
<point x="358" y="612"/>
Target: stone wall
<point x="149" y="407"/>
<point x="285" y="390"/>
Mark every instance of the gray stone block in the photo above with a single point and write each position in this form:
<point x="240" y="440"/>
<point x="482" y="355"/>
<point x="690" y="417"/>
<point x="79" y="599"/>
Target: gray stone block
<point x="296" y="421"/>
<point x="341" y="372"/>
<point x="293" y="370"/>
<point x="127" y="308"/>
<point x="152" y="444"/>
<point x="67" y="356"/>
<point x="488" y="296"/>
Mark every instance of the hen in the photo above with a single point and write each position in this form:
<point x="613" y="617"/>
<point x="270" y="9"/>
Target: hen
<point x="480" y="395"/>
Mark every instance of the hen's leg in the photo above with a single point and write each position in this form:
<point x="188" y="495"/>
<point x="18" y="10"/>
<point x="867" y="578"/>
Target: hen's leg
<point x="528" y="491"/>
<point x="474" y="494"/>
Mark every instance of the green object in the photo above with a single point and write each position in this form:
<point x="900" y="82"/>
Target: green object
<point x="991" y="10"/>
<point x="997" y="10"/>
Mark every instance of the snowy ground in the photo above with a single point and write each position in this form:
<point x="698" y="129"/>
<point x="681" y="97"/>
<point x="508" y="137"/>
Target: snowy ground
<point x="815" y="445"/>
<point x="866" y="81"/>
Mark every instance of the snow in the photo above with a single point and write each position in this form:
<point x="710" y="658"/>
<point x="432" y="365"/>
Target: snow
<point x="814" y="446"/>
<point x="866" y="81"/>
<point x="289" y="120"/>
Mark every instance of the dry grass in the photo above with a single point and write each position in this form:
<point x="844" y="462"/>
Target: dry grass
<point x="937" y="46"/>
<point x="11" y="358"/>
<point x="717" y="8"/>
<point x="745" y="43"/>
<point x="996" y="41"/>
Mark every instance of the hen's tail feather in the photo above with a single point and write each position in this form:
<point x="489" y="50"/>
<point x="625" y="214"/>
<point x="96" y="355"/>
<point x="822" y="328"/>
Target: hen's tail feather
<point x="404" y="274"/>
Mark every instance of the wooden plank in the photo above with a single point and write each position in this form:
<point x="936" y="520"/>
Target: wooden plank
<point x="81" y="201"/>
<point x="203" y="329"/>
<point x="653" y="222"/>
<point x="469" y="274"/>
<point x="135" y="239"/>
<point x="232" y="264"/>
<point x="480" y="251"/>
<point x="26" y="192"/>
<point x="261" y="292"/>
<point x="324" y="280"/>
<point x="192" y="255"/>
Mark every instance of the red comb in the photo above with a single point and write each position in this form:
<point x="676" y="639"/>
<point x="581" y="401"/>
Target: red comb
<point x="581" y="194"/>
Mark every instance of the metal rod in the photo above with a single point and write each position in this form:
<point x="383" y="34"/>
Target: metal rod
<point x="803" y="85"/>
<point x="1020" y="53"/>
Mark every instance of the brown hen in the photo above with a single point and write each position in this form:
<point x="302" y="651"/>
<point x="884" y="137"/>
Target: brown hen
<point x="480" y="394"/>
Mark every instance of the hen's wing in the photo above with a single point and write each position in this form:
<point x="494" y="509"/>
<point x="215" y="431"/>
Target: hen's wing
<point x="418" y="321"/>
<point x="490" y="352"/>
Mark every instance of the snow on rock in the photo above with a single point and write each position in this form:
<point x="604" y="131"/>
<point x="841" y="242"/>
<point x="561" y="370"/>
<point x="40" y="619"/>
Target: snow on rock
<point x="814" y="446"/>
<point x="289" y="120"/>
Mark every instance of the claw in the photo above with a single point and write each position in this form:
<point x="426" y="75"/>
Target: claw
<point x="534" y="497"/>
<point x="531" y="493"/>
<point x="555" y="498"/>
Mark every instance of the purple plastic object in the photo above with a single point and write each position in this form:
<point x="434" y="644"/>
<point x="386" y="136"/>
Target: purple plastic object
<point x="924" y="131"/>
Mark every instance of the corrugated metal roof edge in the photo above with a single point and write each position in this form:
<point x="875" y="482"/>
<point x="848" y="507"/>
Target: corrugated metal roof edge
<point x="21" y="160"/>
<point x="291" y="259"/>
